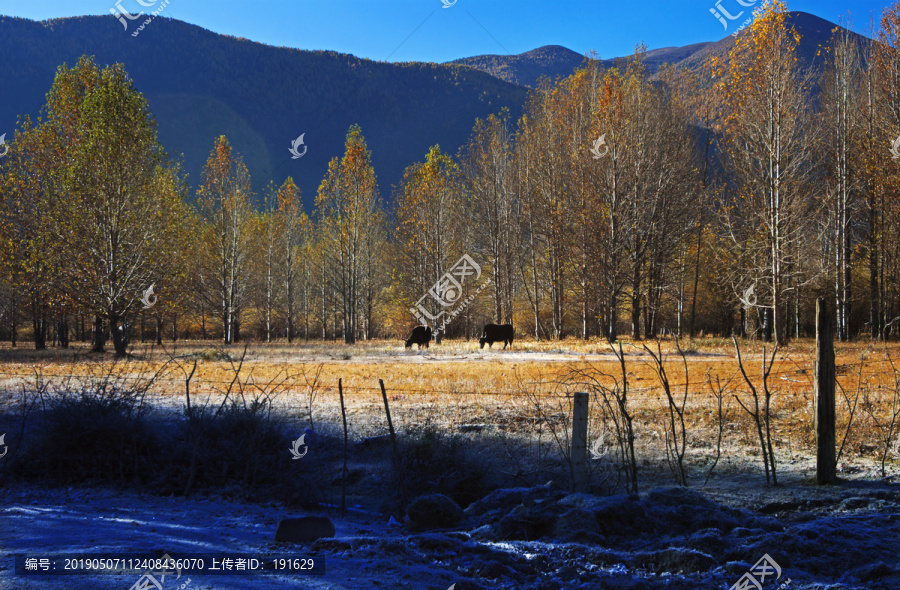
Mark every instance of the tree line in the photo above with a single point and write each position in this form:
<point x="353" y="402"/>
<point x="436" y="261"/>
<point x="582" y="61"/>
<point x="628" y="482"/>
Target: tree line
<point x="722" y="201"/>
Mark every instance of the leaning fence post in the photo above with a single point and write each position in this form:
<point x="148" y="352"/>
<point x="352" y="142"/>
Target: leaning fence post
<point x="579" y="442"/>
<point x="825" y="383"/>
<point x="398" y="464"/>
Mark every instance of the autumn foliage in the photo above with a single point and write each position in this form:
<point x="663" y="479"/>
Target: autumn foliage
<point x="623" y="201"/>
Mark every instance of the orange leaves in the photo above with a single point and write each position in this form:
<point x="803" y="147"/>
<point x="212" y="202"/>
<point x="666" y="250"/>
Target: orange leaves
<point x="347" y="201"/>
<point x="349" y="188"/>
<point x="218" y="165"/>
<point x="93" y="210"/>
<point x="758" y="58"/>
<point x="430" y="192"/>
<point x="288" y="196"/>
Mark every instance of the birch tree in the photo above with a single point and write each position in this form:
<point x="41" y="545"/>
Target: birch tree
<point x="429" y="231"/>
<point x="348" y="205"/>
<point x="840" y="110"/>
<point x="224" y="202"/>
<point x="488" y="177"/>
<point x="769" y="142"/>
<point x="114" y="226"/>
<point x="294" y="233"/>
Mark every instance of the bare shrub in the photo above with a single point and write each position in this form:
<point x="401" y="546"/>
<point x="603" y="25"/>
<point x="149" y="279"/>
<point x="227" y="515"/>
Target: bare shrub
<point x="313" y="386"/>
<point x="235" y="440"/>
<point x="611" y="392"/>
<point x="762" y="417"/>
<point x="885" y="416"/>
<point x="675" y="429"/>
<point x="95" y="429"/>
<point x="550" y="413"/>
<point x="852" y="405"/>
<point x="27" y="406"/>
<point x="435" y="462"/>
<point x="718" y="392"/>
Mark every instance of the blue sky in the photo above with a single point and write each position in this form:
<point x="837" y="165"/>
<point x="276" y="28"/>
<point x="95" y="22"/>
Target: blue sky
<point x="422" y="30"/>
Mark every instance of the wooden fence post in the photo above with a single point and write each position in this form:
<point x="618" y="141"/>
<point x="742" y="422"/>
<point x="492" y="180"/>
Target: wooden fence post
<point x="344" y="470"/>
<point x="398" y="464"/>
<point x="825" y="383"/>
<point x="579" y="442"/>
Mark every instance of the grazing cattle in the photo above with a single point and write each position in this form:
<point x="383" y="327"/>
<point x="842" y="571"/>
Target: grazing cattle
<point x="494" y="333"/>
<point x="420" y="335"/>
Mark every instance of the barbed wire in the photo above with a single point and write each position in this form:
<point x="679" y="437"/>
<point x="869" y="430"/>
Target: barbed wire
<point x="348" y="388"/>
<point x="293" y="382"/>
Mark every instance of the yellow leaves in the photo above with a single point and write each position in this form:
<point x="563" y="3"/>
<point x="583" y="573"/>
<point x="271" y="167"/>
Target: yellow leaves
<point x="347" y="197"/>
<point x="288" y="196"/>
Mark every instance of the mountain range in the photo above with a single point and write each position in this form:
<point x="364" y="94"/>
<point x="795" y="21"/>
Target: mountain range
<point x="200" y="85"/>
<point x="554" y="61"/>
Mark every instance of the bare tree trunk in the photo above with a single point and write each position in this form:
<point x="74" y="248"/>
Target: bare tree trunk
<point x="226" y="326"/>
<point x="39" y="323"/>
<point x="613" y="334"/>
<point x="324" y="311"/>
<point x="693" y="326"/>
<point x="636" y="304"/>
<point x="536" y="299"/>
<point x="98" y="337"/>
<point x="117" y="327"/>
<point x="874" y="274"/>
<point x="62" y="331"/>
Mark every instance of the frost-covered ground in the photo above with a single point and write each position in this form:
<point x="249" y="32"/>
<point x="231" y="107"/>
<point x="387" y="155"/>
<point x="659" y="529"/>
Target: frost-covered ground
<point x="451" y="354"/>
<point x="846" y="536"/>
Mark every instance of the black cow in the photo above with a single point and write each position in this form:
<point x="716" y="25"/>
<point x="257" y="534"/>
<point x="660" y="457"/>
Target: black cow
<point x="494" y="333"/>
<point x="420" y="335"/>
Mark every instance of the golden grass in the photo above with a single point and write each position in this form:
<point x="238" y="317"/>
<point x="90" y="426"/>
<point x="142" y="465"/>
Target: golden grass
<point x="456" y="383"/>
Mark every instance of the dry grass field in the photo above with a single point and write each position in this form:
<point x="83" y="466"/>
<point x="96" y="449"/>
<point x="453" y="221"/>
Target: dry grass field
<point x="525" y="390"/>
